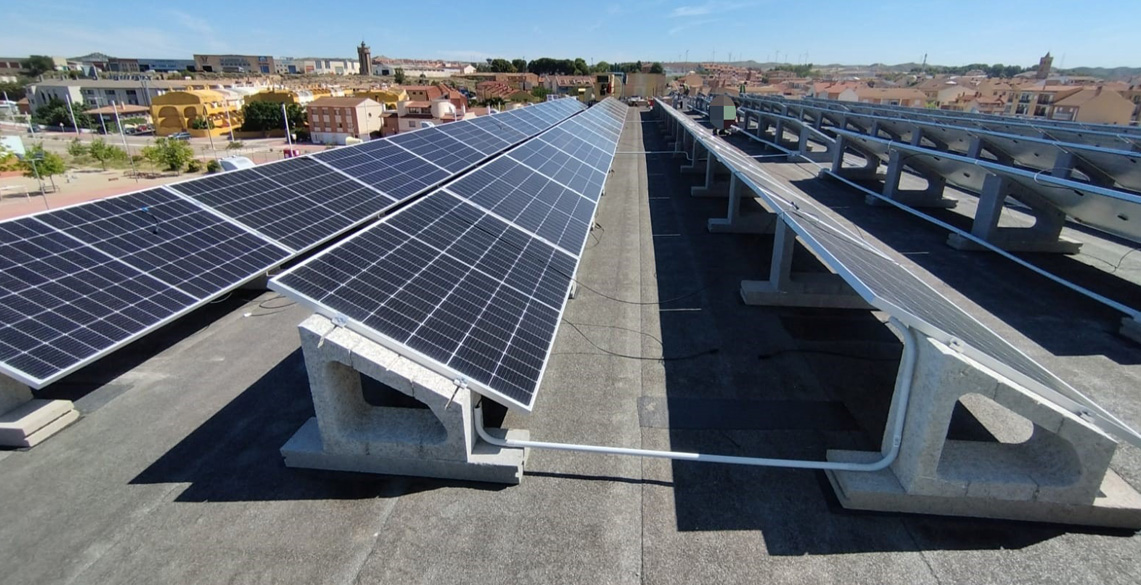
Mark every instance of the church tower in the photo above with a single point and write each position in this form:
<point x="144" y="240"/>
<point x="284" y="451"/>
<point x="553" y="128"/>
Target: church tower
<point x="365" y="58"/>
<point x="1044" y="65"/>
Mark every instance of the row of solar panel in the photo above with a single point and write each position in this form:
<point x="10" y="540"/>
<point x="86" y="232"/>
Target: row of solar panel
<point x="1102" y="201"/>
<point x="1107" y="167"/>
<point x="80" y="281"/>
<point x="1099" y="135"/>
<point x="892" y="288"/>
<point x="472" y="280"/>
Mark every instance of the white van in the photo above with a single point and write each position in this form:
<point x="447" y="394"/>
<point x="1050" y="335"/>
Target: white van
<point x="233" y="163"/>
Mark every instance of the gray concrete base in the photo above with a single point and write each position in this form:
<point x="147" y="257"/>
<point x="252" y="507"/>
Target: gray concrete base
<point x="750" y="223"/>
<point x="1131" y="328"/>
<point x="487" y="463"/>
<point x="1117" y="506"/>
<point x="27" y="421"/>
<point x="810" y="289"/>
<point x="716" y="191"/>
<point x="1012" y="242"/>
<point x="349" y="434"/>
<point x="1056" y="469"/>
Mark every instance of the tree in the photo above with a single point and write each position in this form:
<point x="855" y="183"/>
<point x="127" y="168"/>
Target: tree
<point x="77" y="148"/>
<point x="540" y="92"/>
<point x="14" y="89"/>
<point x="501" y="66"/>
<point x="602" y="67"/>
<point x="657" y="68"/>
<point x="266" y="116"/>
<point x="580" y="67"/>
<point x="422" y="80"/>
<point x="398" y="76"/>
<point x="169" y="153"/>
<point x="46" y="164"/>
<point x="55" y="113"/>
<point x="104" y="153"/>
<point x="37" y="65"/>
<point x="520" y="65"/>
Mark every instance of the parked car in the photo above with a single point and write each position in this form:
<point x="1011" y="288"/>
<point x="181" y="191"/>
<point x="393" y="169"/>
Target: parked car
<point x="35" y="128"/>
<point x="180" y="136"/>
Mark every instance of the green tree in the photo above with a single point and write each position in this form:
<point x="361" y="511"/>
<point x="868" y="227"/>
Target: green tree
<point x="55" y="113"/>
<point x="422" y="80"/>
<point x="580" y="67"/>
<point x="520" y="65"/>
<point x="657" y="68"/>
<point x="16" y="90"/>
<point x="77" y="148"/>
<point x="172" y="154"/>
<point x="212" y="166"/>
<point x="104" y="153"/>
<point x="398" y="76"/>
<point x="501" y="66"/>
<point x="265" y="116"/>
<point x="201" y="123"/>
<point x="235" y="145"/>
<point x="602" y="67"/>
<point x="47" y="164"/>
<point x="37" y="65"/>
<point x="540" y="92"/>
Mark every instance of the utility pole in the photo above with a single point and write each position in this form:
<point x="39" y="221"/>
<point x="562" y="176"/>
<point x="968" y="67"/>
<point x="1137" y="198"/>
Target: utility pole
<point x="123" y="136"/>
<point x="285" y="116"/>
<point x="71" y="113"/>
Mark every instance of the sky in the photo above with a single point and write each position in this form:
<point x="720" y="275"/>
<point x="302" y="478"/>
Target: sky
<point x="1095" y="33"/>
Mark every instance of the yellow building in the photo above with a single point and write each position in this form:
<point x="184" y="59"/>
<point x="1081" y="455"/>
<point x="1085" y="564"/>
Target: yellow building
<point x="389" y="97"/>
<point x="177" y="111"/>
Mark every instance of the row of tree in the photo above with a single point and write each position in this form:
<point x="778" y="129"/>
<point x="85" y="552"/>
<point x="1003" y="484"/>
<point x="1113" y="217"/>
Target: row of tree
<point x="996" y="70"/>
<point x="549" y="66"/>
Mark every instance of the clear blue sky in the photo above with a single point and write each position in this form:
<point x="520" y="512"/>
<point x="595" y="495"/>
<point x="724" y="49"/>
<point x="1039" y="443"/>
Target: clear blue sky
<point x="952" y="32"/>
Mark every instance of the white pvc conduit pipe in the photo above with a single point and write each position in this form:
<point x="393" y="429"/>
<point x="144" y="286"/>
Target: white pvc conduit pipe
<point x="898" y="406"/>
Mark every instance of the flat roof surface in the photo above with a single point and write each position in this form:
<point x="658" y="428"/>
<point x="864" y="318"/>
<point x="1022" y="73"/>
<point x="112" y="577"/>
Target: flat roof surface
<point x="173" y="473"/>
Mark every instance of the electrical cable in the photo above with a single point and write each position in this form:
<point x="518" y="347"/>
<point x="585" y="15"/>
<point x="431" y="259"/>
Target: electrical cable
<point x="638" y="357"/>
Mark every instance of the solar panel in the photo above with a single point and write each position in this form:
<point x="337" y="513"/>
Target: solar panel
<point x="81" y="281"/>
<point x="889" y="286"/>
<point x="451" y="283"/>
<point x="298" y="202"/>
<point x="529" y="200"/>
<point x="387" y="167"/>
<point x="434" y="145"/>
<point x="171" y="239"/>
<point x="472" y="279"/>
<point x="478" y="138"/>
<point x="62" y="302"/>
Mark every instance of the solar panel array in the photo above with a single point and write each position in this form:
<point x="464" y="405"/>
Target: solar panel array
<point x="890" y="287"/>
<point x="472" y="279"/>
<point x="1107" y="199"/>
<point x="78" y="282"/>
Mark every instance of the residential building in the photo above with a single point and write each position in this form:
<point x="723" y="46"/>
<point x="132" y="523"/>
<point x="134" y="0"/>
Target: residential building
<point x="581" y="87"/>
<point x="423" y="93"/>
<point x="235" y="63"/>
<point x="414" y="113"/>
<point x="316" y="66"/>
<point x="645" y="85"/>
<point x="177" y="111"/>
<point x="301" y="97"/>
<point x="333" y="120"/>
<point x="1093" y="105"/>
<point x="487" y="90"/>
<point x="364" y="60"/>
<point x="1037" y="101"/>
<point x="106" y="114"/>
<point x="101" y="92"/>
<point x="891" y="96"/>
<point x="388" y="96"/>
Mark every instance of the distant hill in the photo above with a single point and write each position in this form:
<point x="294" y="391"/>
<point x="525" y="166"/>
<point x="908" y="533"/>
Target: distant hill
<point x="1099" y="72"/>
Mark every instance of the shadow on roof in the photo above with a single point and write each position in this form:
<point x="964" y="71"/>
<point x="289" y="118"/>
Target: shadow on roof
<point x="784" y="382"/>
<point x="234" y="456"/>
